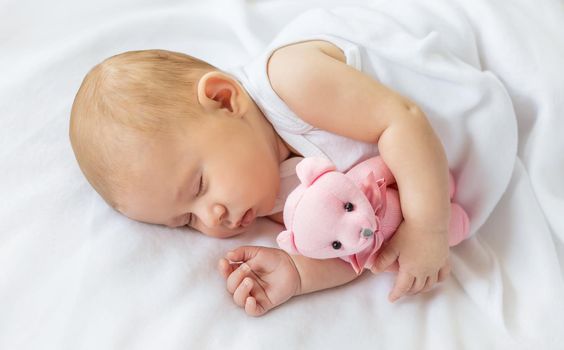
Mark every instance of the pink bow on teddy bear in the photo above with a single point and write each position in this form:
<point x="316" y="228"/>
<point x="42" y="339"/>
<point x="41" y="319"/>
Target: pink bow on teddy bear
<point x="331" y="214"/>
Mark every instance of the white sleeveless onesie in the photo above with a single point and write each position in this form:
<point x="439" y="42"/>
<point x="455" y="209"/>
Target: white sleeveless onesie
<point x="434" y="64"/>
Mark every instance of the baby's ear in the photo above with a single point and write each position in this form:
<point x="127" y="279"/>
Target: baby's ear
<point x="285" y="241"/>
<point x="375" y="191"/>
<point x="310" y="168"/>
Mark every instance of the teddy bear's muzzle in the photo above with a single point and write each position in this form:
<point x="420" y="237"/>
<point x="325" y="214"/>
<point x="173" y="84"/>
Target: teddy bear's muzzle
<point x="366" y="232"/>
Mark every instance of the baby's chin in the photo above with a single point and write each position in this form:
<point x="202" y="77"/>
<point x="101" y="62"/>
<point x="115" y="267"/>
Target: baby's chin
<point x="225" y="233"/>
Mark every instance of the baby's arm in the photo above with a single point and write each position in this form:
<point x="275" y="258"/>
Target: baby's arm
<point x="325" y="92"/>
<point x="318" y="274"/>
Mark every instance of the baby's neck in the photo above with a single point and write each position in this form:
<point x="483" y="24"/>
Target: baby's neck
<point x="286" y="151"/>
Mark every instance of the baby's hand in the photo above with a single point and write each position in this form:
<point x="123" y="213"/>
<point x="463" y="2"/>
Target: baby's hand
<point x="259" y="278"/>
<point x="422" y="256"/>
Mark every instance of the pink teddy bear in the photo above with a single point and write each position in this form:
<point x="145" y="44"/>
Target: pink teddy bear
<point x="331" y="214"/>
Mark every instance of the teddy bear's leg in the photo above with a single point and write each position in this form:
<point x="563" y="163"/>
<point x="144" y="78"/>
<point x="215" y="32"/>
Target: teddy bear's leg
<point x="459" y="225"/>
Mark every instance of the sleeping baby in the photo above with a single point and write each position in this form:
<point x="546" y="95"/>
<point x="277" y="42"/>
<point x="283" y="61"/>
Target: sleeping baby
<point x="166" y="138"/>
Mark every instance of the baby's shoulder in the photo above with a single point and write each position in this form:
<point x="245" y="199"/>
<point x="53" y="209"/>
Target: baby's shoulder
<point x="282" y="53"/>
<point x="293" y="69"/>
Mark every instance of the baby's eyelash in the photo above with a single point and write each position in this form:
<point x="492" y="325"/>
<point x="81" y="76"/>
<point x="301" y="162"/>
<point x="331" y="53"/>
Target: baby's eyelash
<point x="190" y="216"/>
<point x="201" y="185"/>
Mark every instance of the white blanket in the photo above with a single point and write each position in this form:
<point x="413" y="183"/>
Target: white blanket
<point x="74" y="274"/>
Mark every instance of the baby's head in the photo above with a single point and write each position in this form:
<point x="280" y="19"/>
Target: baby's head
<point x="168" y="139"/>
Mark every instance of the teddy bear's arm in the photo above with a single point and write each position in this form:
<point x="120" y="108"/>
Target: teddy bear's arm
<point x="376" y="165"/>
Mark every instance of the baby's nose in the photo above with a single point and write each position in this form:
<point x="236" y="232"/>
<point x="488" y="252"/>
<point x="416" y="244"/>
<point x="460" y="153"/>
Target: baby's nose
<point x="216" y="215"/>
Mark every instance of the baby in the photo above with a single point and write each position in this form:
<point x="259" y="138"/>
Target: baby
<point x="168" y="139"/>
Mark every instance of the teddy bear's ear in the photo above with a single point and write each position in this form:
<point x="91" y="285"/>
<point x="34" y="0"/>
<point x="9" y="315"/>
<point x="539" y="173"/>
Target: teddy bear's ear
<point x="285" y="241"/>
<point x="310" y="168"/>
<point x="375" y="191"/>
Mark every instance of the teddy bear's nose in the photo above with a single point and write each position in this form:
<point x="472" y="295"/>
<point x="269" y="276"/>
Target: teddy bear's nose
<point x="366" y="232"/>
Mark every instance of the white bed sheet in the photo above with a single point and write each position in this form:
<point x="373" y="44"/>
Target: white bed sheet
<point x="76" y="275"/>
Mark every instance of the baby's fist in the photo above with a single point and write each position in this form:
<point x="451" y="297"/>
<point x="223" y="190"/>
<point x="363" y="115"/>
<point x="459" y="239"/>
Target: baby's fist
<point x="259" y="278"/>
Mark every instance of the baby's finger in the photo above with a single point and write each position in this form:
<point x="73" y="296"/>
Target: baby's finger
<point x="235" y="278"/>
<point x="252" y="308"/>
<point x="242" y="254"/>
<point x="443" y="273"/>
<point x="418" y="285"/>
<point x="243" y="291"/>
<point x="386" y="258"/>
<point x="403" y="284"/>
<point x="225" y="268"/>
<point x="431" y="281"/>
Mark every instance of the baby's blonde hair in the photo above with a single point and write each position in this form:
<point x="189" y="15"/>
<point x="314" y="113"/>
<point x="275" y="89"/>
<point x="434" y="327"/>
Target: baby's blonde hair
<point x="150" y="92"/>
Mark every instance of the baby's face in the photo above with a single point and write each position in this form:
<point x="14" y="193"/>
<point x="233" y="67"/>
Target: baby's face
<point x="217" y="179"/>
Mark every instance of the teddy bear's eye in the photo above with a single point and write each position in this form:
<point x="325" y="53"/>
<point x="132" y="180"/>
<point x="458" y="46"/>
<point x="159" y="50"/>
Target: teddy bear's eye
<point x="336" y="245"/>
<point x="349" y="206"/>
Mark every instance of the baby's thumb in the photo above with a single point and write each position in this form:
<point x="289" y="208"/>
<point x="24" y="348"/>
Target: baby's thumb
<point x="385" y="259"/>
<point x="242" y="254"/>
